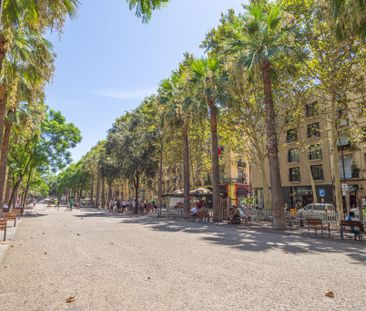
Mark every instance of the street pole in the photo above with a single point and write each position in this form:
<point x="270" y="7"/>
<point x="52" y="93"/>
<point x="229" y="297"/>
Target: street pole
<point x="347" y="197"/>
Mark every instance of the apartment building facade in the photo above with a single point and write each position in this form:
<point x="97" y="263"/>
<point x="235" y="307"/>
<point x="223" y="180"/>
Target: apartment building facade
<point x="305" y="148"/>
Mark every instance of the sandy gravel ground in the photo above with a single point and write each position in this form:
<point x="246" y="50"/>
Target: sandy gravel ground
<point x="142" y="263"/>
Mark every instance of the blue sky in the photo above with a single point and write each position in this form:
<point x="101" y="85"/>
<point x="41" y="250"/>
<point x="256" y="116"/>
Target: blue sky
<point x="108" y="61"/>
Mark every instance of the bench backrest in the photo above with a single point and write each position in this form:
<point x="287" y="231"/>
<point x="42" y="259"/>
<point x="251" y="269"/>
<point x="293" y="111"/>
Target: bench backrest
<point x="2" y="224"/>
<point x="352" y="223"/>
<point x="313" y="221"/>
<point x="10" y="216"/>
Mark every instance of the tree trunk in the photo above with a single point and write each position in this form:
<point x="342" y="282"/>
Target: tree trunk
<point x="110" y="194"/>
<point x="4" y="159"/>
<point x="272" y="149"/>
<point x="2" y="113"/>
<point x="97" y="195"/>
<point x="8" y="185"/>
<point x="217" y="212"/>
<point x="312" y="183"/>
<point x="92" y="190"/>
<point x="14" y="193"/>
<point x="2" y="89"/>
<point x="137" y="186"/>
<point x="24" y="203"/>
<point x="187" y="205"/>
<point x="160" y="186"/>
<point x="103" y="192"/>
<point x="335" y="160"/>
<point x="266" y="192"/>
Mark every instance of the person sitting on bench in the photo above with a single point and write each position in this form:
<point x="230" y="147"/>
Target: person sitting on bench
<point x="234" y="216"/>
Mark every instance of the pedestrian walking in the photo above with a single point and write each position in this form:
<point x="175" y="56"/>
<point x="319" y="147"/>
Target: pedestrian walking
<point x="71" y="204"/>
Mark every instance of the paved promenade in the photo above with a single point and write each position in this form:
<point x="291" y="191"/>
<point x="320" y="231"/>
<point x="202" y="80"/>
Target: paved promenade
<point x="143" y="263"/>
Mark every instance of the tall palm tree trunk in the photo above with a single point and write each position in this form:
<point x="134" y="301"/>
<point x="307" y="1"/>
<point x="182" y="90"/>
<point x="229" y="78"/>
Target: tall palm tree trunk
<point x="2" y="112"/>
<point x="217" y="213"/>
<point x="4" y="159"/>
<point x="335" y="160"/>
<point x="272" y="148"/>
<point x="186" y="169"/>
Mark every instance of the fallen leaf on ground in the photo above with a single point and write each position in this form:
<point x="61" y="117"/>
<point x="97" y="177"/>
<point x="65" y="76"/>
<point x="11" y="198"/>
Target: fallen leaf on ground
<point x="148" y="278"/>
<point x="45" y="253"/>
<point x="330" y="294"/>
<point x="11" y="245"/>
<point x="78" y="234"/>
<point x="70" y="299"/>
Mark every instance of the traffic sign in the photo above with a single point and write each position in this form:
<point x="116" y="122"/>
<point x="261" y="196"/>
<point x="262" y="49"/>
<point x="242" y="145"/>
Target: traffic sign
<point x="322" y="192"/>
<point x="344" y="187"/>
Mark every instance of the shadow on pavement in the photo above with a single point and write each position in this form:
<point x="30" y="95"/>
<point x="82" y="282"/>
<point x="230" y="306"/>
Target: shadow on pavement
<point x="254" y="239"/>
<point x="257" y="240"/>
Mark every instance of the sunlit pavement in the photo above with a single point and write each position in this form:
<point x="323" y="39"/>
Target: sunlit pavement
<point x="103" y="262"/>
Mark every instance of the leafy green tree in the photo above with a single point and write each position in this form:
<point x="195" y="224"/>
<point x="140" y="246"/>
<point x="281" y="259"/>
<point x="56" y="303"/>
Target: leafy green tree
<point x="131" y="145"/>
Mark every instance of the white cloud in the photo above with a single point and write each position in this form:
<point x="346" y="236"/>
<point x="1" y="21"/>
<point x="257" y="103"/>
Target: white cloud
<point x="126" y="94"/>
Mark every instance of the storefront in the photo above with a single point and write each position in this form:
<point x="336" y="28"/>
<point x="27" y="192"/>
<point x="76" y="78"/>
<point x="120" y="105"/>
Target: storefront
<point x="235" y="192"/>
<point x="303" y="195"/>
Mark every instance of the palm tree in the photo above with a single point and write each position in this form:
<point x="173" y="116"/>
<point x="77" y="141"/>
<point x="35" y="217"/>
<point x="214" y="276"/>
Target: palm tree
<point x="144" y="8"/>
<point x="174" y="97"/>
<point x="26" y="71"/>
<point x="349" y="17"/>
<point x="262" y="40"/>
<point x="206" y="76"/>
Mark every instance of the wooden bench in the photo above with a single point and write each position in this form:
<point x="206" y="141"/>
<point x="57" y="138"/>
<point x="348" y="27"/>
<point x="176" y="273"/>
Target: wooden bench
<point x="317" y="224"/>
<point x="350" y="226"/>
<point x="11" y="216"/>
<point x="3" y="226"/>
<point x="203" y="215"/>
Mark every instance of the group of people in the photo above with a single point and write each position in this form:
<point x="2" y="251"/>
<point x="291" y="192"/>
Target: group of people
<point x="117" y="205"/>
<point x="197" y="207"/>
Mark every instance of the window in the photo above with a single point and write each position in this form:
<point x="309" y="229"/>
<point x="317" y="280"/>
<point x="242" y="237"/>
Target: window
<point x="315" y="152"/>
<point x="294" y="174"/>
<point x="291" y="136"/>
<point x="345" y="166"/>
<point x="293" y="155"/>
<point x="317" y="172"/>
<point x="312" y="109"/>
<point x="314" y="130"/>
